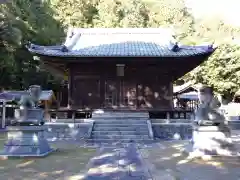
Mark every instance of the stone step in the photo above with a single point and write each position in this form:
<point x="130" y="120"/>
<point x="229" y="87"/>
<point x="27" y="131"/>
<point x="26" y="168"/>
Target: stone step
<point x="97" y="133"/>
<point x="112" y="142"/>
<point x="124" y="121"/>
<point x="120" y="125"/>
<point x="105" y="114"/>
<point x="109" y="129"/>
<point x="119" y="137"/>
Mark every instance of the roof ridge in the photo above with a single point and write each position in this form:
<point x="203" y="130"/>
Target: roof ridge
<point x="75" y="35"/>
<point x="122" y="30"/>
<point x="79" y="44"/>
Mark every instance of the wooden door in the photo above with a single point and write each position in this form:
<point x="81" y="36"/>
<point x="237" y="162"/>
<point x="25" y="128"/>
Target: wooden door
<point x="120" y="94"/>
<point x="128" y="98"/>
<point x="111" y="94"/>
<point x="154" y="95"/>
<point x="87" y="93"/>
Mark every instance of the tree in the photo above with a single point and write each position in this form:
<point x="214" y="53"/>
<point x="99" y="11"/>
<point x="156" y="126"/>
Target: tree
<point x="171" y="14"/>
<point x="221" y="71"/>
<point x="24" y="21"/>
<point x="44" y="22"/>
<point x="74" y="12"/>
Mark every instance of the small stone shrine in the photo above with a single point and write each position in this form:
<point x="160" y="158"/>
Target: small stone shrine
<point x="211" y="135"/>
<point x="25" y="136"/>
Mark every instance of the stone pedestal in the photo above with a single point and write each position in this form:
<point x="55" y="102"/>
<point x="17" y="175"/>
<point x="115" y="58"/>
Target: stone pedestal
<point x="26" y="141"/>
<point x="29" y="116"/>
<point x="211" y="140"/>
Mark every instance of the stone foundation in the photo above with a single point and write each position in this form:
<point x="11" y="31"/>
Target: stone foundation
<point x="210" y="140"/>
<point x="61" y="131"/>
<point x="172" y="131"/>
<point x="26" y="141"/>
<point x="234" y="125"/>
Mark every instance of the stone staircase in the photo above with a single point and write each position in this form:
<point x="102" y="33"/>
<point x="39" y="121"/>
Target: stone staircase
<point x="122" y="130"/>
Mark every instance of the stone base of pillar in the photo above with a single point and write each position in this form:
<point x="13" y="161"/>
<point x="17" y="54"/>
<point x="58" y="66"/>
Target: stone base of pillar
<point x="26" y="141"/>
<point x="211" y="141"/>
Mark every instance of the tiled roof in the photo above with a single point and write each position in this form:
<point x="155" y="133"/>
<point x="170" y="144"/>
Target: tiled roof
<point x="180" y="89"/>
<point x="12" y="95"/>
<point x="193" y="95"/>
<point x="120" y="42"/>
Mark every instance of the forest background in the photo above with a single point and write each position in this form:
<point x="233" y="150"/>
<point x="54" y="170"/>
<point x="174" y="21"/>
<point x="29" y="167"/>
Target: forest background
<point x="45" y="22"/>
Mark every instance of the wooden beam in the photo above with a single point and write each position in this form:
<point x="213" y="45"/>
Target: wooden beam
<point x="3" y="114"/>
<point x="55" y="70"/>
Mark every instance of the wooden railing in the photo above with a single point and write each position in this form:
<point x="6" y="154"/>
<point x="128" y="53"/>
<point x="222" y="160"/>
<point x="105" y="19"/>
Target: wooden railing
<point x="171" y="114"/>
<point x="69" y="114"/>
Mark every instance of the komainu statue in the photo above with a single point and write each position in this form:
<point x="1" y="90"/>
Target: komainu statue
<point x="211" y="134"/>
<point x="208" y="113"/>
<point x="26" y="102"/>
<point x="31" y="99"/>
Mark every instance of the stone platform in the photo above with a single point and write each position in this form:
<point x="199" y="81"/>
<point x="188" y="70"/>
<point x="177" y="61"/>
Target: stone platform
<point x="65" y="131"/>
<point x="172" y="131"/>
<point x="100" y="114"/>
<point x="212" y="141"/>
<point x="26" y="141"/>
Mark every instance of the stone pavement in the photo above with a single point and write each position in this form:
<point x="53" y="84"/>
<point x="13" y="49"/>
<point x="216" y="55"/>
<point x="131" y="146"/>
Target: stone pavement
<point x="162" y="160"/>
<point x="167" y="162"/>
<point x="114" y="163"/>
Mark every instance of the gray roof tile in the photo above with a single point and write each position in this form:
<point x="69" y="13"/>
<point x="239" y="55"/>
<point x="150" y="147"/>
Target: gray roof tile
<point x="11" y="95"/>
<point x="135" y="42"/>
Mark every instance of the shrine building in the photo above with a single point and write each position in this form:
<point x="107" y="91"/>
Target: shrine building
<point x="121" y="68"/>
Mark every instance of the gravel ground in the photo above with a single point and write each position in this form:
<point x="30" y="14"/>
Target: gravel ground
<point x="167" y="162"/>
<point x="164" y="160"/>
<point x="67" y="163"/>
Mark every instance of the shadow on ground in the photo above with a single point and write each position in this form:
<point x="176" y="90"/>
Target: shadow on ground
<point x="117" y="163"/>
<point x="171" y="162"/>
<point x="160" y="160"/>
<point x="67" y="163"/>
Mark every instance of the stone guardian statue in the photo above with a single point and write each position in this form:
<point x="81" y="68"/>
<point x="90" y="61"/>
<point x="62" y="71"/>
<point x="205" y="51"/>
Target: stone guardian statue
<point x="211" y="135"/>
<point x="208" y="113"/>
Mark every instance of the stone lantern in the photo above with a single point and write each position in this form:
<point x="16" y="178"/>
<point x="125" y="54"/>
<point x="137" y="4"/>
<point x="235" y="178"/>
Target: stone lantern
<point x="25" y="136"/>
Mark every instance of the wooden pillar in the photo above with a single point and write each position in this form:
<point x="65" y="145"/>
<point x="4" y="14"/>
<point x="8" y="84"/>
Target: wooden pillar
<point x="137" y="94"/>
<point x="3" y="114"/>
<point x="70" y="88"/>
<point x="119" y="90"/>
<point x="102" y="91"/>
<point x="143" y="93"/>
<point x="171" y="94"/>
<point x="120" y="71"/>
<point x="47" y="115"/>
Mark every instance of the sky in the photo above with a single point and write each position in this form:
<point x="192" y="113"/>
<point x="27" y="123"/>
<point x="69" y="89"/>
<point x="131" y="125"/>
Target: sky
<point x="227" y="10"/>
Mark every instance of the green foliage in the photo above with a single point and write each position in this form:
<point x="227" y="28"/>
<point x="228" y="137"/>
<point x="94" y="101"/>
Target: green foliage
<point x="44" y="22"/>
<point x="170" y="13"/>
<point x="23" y="21"/>
<point x="126" y="13"/>
<point x="221" y="71"/>
<point x="75" y="12"/>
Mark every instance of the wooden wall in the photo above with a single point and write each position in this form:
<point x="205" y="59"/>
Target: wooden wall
<point x="96" y="85"/>
<point x="146" y="84"/>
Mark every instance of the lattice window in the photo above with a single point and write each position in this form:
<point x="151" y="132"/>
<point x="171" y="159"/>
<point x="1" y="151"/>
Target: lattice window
<point x="110" y="94"/>
<point x="129" y="94"/>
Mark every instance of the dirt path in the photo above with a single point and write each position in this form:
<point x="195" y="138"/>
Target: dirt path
<point x="167" y="162"/>
<point x="66" y="164"/>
